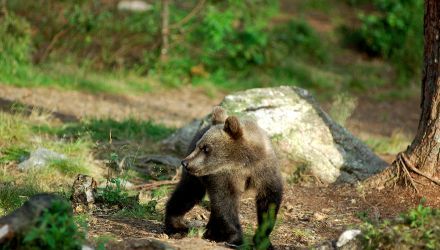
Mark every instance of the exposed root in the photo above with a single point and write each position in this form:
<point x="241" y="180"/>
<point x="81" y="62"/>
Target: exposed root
<point x="414" y="169"/>
<point x="403" y="173"/>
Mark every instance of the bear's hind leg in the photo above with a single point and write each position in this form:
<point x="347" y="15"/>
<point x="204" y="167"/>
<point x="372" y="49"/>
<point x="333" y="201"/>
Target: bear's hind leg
<point x="188" y="193"/>
<point x="268" y="202"/>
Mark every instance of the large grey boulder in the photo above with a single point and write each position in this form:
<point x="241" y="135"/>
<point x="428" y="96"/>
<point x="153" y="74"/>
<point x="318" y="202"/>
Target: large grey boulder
<point x="302" y="133"/>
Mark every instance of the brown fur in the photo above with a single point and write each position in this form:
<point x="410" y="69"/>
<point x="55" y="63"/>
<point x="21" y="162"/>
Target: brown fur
<point x="226" y="160"/>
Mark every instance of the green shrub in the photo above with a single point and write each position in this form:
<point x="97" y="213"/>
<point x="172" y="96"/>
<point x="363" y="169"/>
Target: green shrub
<point x="296" y="38"/>
<point x="114" y="193"/>
<point x="54" y="229"/>
<point x="394" y="32"/>
<point x="15" y="43"/>
<point x="418" y="228"/>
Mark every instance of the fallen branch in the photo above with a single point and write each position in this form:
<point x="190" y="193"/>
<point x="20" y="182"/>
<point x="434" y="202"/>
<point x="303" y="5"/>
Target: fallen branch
<point x="155" y="184"/>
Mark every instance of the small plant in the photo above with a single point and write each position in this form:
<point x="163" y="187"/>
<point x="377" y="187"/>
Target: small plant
<point x="141" y="211"/>
<point x="114" y="193"/>
<point x="55" y="229"/>
<point x="196" y="232"/>
<point x="260" y="240"/>
<point x="419" y="227"/>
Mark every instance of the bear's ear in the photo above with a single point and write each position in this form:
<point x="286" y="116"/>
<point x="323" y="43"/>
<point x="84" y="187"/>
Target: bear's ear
<point x="233" y="127"/>
<point x="218" y="115"/>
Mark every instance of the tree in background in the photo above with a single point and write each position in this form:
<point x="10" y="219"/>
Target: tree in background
<point x="422" y="157"/>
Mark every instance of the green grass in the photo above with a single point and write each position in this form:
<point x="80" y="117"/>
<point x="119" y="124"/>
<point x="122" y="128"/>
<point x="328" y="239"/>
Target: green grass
<point x="394" y="144"/>
<point x="146" y="211"/>
<point x="69" y="77"/>
<point x="13" y="196"/>
<point x="104" y="129"/>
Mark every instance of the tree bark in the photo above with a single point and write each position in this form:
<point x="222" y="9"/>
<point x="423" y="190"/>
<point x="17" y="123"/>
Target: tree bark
<point x="165" y="31"/>
<point x="424" y="151"/>
<point x="422" y="157"/>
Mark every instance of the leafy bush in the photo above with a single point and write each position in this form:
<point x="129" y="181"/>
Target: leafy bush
<point x="114" y="193"/>
<point x="297" y="38"/>
<point x="15" y="43"/>
<point x="394" y="32"/>
<point x="418" y="228"/>
<point x="54" y="229"/>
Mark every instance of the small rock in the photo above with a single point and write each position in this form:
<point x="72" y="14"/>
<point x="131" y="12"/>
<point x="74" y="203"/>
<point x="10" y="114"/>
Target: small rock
<point x="319" y="216"/>
<point x="347" y="236"/>
<point x="85" y="247"/>
<point x="40" y="158"/>
<point x="353" y="201"/>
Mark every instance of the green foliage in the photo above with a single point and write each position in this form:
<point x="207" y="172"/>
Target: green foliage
<point x="12" y="196"/>
<point x="13" y="154"/>
<point x="114" y="193"/>
<point x="395" y="32"/>
<point x="129" y="129"/>
<point x="419" y="227"/>
<point x="67" y="166"/>
<point x="260" y="240"/>
<point x="296" y="38"/>
<point x="15" y="44"/>
<point x="55" y="229"/>
<point x="141" y="211"/>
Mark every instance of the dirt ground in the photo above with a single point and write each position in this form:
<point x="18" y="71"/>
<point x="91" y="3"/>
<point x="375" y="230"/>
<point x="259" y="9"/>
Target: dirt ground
<point x="309" y="214"/>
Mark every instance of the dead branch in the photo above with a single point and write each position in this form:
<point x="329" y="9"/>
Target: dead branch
<point x="52" y="43"/>
<point x="149" y="186"/>
<point x="190" y="15"/>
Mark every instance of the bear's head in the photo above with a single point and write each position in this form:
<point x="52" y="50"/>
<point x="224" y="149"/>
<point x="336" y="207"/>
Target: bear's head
<point x="222" y="147"/>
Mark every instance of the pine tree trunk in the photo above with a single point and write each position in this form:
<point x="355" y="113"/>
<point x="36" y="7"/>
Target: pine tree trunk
<point x="422" y="157"/>
<point x="424" y="152"/>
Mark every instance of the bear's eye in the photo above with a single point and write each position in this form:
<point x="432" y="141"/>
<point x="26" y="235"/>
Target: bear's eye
<point x="205" y="149"/>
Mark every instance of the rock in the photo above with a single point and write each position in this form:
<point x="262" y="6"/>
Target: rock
<point x="348" y="240"/>
<point x="166" y="160"/>
<point x="303" y="134"/>
<point x="83" y="193"/>
<point x="180" y="140"/>
<point x="40" y="158"/>
<point x="135" y="6"/>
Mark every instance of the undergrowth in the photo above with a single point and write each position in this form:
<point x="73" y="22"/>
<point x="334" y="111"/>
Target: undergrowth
<point x="419" y="228"/>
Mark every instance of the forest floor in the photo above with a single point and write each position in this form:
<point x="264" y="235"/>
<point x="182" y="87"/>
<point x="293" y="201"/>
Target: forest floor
<point x="309" y="214"/>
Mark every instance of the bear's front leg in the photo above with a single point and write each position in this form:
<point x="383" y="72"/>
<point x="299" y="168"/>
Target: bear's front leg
<point x="189" y="192"/>
<point x="224" y="224"/>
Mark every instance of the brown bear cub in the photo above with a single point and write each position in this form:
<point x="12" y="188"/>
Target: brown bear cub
<point x="226" y="159"/>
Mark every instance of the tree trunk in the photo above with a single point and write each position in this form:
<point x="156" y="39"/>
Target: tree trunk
<point x="424" y="151"/>
<point x="423" y="155"/>
<point x="165" y="31"/>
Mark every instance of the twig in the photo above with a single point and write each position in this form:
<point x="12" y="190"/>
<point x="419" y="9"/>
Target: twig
<point x="152" y="185"/>
<point x="52" y="43"/>
<point x="407" y="162"/>
<point x="188" y="17"/>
